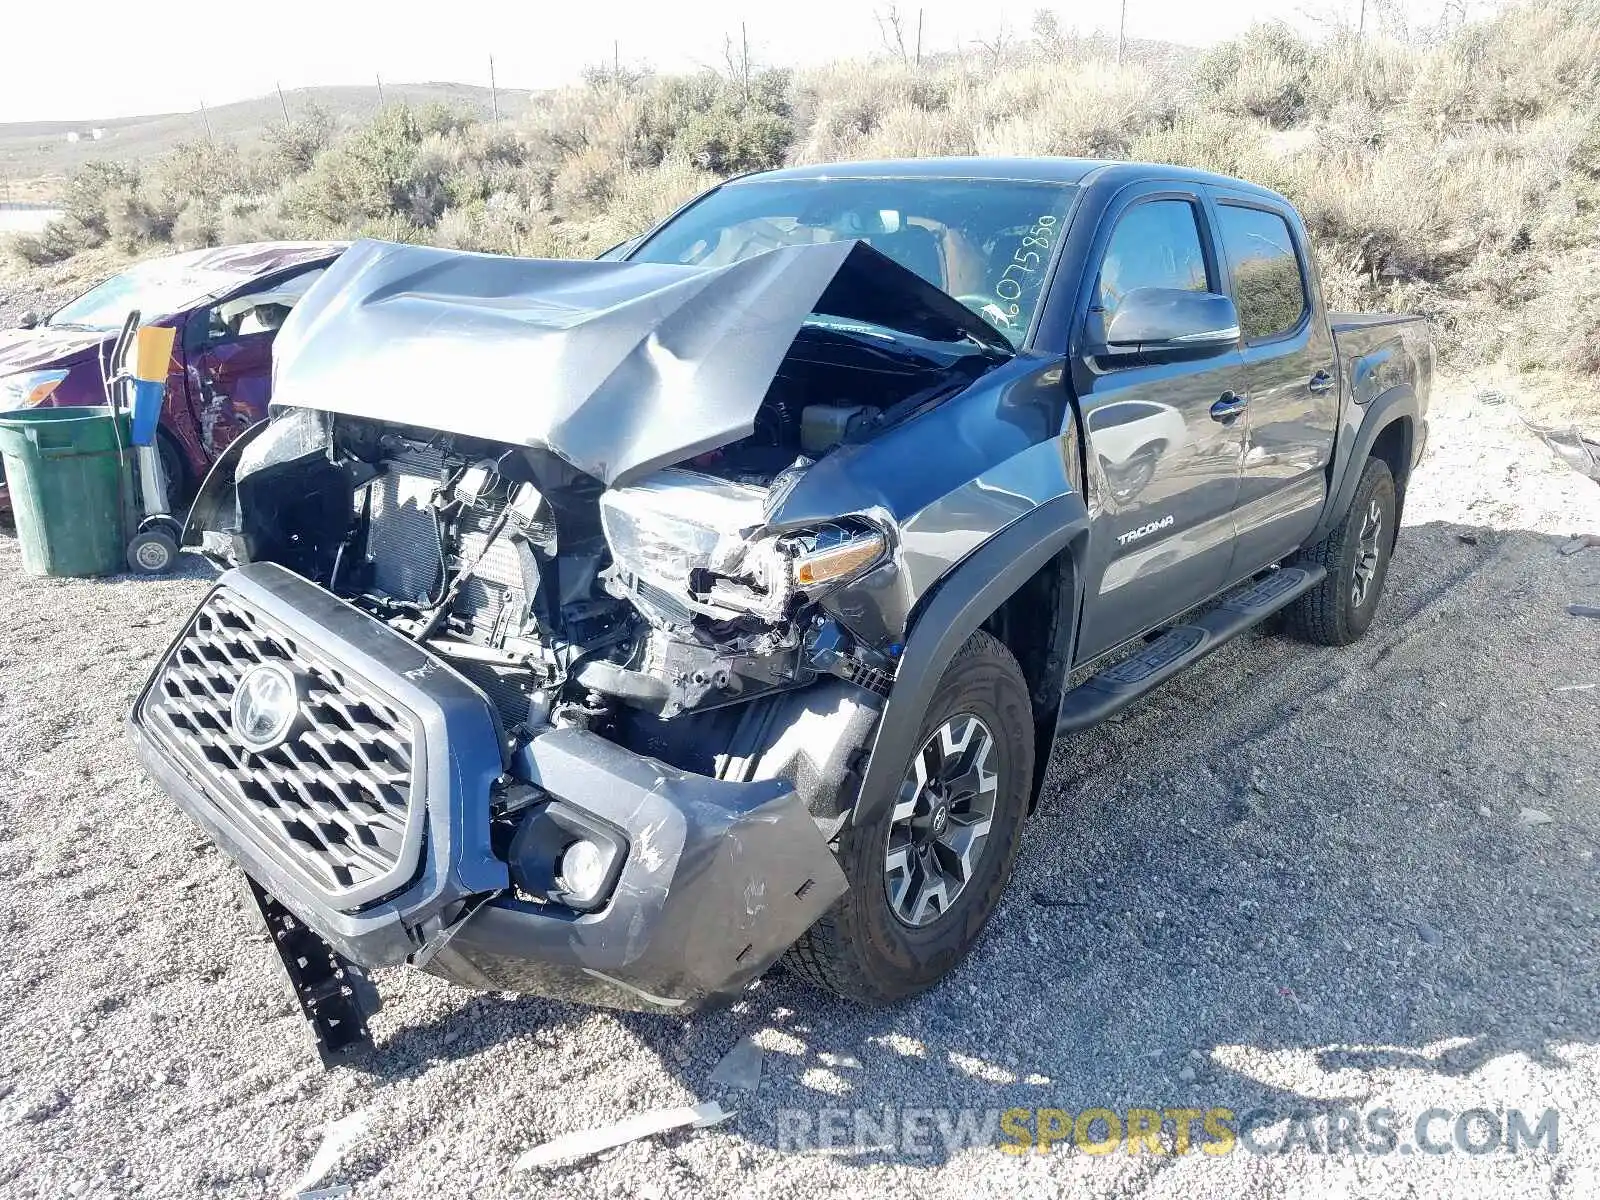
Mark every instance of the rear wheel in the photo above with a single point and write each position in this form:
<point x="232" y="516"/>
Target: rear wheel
<point x="1356" y="555"/>
<point x="926" y="874"/>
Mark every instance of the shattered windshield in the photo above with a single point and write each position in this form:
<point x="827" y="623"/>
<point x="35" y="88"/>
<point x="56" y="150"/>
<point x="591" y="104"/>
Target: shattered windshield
<point x="157" y="289"/>
<point x="987" y="242"/>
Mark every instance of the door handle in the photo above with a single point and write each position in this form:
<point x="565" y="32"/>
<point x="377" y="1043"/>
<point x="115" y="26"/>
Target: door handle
<point x="1320" y="382"/>
<point x="1228" y="408"/>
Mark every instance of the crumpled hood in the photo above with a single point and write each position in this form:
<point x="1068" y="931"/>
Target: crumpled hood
<point x="619" y="368"/>
<point x="34" y="349"/>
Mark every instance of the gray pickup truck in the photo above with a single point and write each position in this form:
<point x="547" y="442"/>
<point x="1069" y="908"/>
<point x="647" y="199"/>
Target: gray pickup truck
<point x="609" y="630"/>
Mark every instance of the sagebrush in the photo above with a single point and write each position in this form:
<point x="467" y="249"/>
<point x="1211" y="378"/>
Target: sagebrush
<point x="1459" y="177"/>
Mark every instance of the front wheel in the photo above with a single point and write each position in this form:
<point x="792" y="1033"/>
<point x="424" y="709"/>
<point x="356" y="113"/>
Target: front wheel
<point x="1356" y="555"/>
<point x="926" y="874"/>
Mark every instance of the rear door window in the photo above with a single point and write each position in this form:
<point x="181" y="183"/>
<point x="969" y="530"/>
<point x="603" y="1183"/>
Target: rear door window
<point x="1269" y="286"/>
<point x="1155" y="245"/>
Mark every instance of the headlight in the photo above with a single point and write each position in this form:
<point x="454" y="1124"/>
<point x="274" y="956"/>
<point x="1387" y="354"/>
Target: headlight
<point x="27" y="389"/>
<point x="683" y="542"/>
<point x="678" y="522"/>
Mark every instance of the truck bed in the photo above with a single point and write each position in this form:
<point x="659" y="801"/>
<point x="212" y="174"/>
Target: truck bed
<point x="1378" y="351"/>
<point x="1342" y="322"/>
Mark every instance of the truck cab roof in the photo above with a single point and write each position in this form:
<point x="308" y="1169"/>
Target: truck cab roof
<point x="1042" y="169"/>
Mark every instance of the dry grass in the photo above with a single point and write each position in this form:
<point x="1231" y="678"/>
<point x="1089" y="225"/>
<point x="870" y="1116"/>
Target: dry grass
<point x="1461" y="178"/>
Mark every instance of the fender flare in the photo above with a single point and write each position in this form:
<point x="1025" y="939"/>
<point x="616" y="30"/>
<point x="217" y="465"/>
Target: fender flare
<point x="1399" y="403"/>
<point x="217" y="484"/>
<point x="964" y="599"/>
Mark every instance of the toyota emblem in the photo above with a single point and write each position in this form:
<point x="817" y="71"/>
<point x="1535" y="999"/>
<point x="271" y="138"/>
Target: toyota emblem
<point x="265" y="706"/>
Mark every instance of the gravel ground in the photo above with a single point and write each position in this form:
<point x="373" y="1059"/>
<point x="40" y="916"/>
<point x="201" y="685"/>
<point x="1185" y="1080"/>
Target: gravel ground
<point x="1296" y="878"/>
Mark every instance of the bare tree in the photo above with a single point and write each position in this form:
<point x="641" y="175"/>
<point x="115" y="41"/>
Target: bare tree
<point x="995" y="46"/>
<point x="736" y="57"/>
<point x="892" y="31"/>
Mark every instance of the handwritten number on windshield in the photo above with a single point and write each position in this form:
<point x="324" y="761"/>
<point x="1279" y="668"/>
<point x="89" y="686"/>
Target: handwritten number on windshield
<point x="1027" y="261"/>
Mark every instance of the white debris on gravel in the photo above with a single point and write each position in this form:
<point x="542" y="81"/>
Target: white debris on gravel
<point x="1296" y="815"/>
<point x="337" y="1138"/>
<point x="584" y="1143"/>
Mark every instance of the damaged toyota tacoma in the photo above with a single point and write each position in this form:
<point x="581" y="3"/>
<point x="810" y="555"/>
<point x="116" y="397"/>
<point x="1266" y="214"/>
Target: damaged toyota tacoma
<point x="609" y="630"/>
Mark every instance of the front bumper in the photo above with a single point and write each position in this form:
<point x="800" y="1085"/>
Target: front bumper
<point x="719" y="879"/>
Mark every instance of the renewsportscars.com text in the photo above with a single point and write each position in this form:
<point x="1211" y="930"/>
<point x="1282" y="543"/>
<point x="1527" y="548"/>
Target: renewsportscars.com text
<point x="927" y="1132"/>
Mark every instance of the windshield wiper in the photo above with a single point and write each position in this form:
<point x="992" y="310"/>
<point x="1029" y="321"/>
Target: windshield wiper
<point x="74" y="325"/>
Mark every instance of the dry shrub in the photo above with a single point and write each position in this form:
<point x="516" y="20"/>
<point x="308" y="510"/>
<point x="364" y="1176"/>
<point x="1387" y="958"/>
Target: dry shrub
<point x="253" y="219"/>
<point x="1527" y="60"/>
<point x="1095" y="111"/>
<point x="842" y="106"/>
<point x="1359" y="74"/>
<point x="196" y="225"/>
<point x="586" y="179"/>
<point x="910" y="132"/>
<point x="1265" y="74"/>
<point x="1207" y="140"/>
<point x="644" y="198"/>
<point x="1462" y="177"/>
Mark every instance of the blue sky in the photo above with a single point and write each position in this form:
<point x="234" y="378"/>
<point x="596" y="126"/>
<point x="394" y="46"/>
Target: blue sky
<point x="120" y="59"/>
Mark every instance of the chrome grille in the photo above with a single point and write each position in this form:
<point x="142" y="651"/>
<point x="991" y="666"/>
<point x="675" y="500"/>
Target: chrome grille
<point x="333" y="799"/>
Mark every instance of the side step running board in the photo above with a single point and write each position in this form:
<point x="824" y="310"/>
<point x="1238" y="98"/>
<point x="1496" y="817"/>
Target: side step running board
<point x="1182" y="645"/>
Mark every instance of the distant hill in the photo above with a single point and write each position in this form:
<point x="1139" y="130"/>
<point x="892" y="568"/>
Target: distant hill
<point x="36" y="155"/>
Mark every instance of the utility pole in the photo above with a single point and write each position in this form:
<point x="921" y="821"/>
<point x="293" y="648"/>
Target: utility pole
<point x="205" y="118"/>
<point x="494" y="94"/>
<point x="1122" y="31"/>
<point x="616" y="62"/>
<point x="744" y="62"/>
<point x="919" y="38"/>
<point x="379" y="78"/>
<point x="283" y="104"/>
<point x="1361" y="21"/>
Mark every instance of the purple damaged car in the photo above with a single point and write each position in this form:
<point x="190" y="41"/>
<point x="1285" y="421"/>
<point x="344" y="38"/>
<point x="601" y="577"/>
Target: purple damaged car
<point x="226" y="303"/>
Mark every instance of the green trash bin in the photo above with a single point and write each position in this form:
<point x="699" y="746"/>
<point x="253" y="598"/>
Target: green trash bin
<point x="65" y="472"/>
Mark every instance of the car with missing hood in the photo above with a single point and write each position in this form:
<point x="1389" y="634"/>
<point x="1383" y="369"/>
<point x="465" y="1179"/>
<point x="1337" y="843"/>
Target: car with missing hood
<point x="227" y="304"/>
<point x="610" y="630"/>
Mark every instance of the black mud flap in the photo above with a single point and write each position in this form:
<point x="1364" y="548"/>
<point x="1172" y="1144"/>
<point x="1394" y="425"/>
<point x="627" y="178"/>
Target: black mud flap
<point x="336" y="996"/>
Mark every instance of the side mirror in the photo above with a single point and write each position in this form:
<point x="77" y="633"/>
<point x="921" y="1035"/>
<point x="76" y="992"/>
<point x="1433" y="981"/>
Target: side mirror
<point x="1156" y="320"/>
<point x="28" y="320"/>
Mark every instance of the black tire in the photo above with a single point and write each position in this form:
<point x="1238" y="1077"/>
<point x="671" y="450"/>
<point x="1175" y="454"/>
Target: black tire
<point x="1336" y="612"/>
<point x="861" y="949"/>
<point x="152" y="552"/>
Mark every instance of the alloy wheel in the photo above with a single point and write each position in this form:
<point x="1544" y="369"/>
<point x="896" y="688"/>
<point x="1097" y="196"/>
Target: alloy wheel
<point x="941" y="821"/>
<point x="1367" y="550"/>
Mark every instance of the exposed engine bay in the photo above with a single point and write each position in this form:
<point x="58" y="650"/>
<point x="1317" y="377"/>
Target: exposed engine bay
<point x="572" y="604"/>
<point x="609" y="559"/>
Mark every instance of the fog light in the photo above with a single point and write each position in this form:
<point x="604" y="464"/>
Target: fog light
<point x="581" y="871"/>
<point x="567" y="856"/>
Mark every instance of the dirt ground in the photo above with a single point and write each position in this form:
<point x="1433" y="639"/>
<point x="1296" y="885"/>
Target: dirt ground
<point x="1295" y="880"/>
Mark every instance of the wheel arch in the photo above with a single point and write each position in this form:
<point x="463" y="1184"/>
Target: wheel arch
<point x="1388" y="429"/>
<point x="999" y="587"/>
